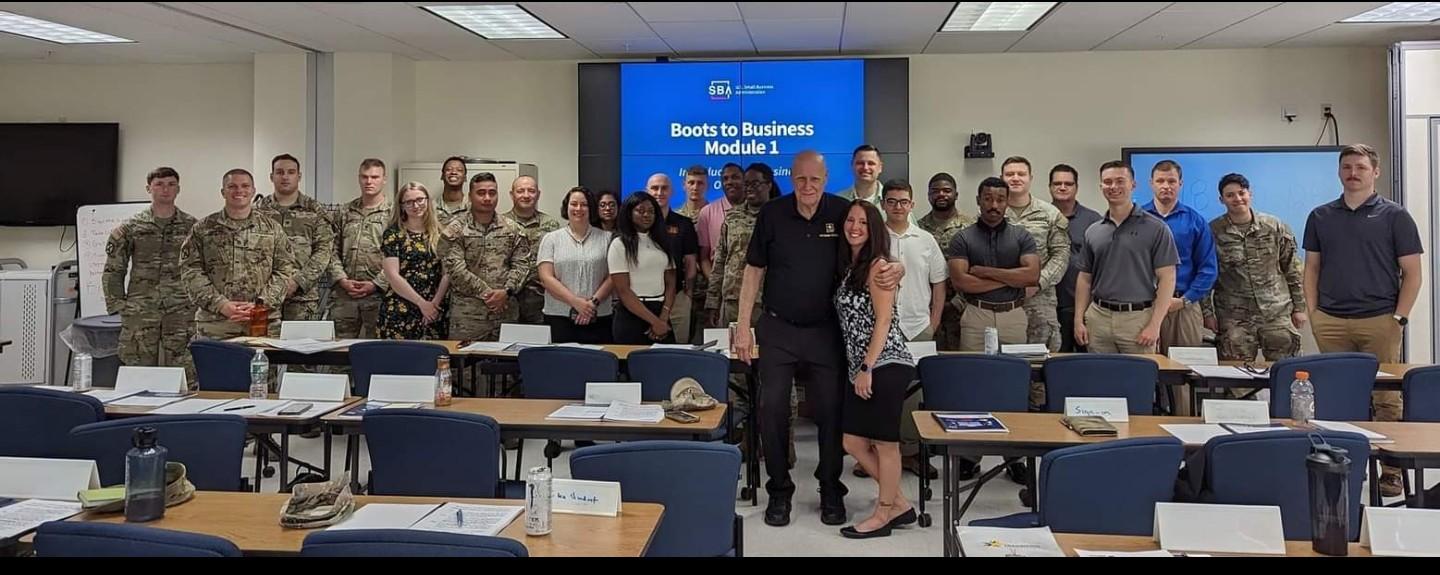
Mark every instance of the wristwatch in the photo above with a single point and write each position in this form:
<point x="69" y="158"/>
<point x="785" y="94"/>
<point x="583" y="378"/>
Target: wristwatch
<point x="1402" y="320"/>
<point x="864" y="368"/>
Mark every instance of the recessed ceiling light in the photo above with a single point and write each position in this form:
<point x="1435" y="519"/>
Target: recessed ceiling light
<point x="52" y="31"/>
<point x="496" y="21"/>
<point x="995" y="16"/>
<point x="1400" y="12"/>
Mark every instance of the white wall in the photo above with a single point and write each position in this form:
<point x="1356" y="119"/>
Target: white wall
<point x="1421" y="163"/>
<point x="374" y="116"/>
<point x="195" y="118"/>
<point x="281" y="116"/>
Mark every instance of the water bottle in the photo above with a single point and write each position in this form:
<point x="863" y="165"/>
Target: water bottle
<point x="443" y="389"/>
<point x="259" y="374"/>
<point x="144" y="478"/>
<point x="992" y="341"/>
<point x="1328" y="469"/>
<point x="1302" y="399"/>
<point x="81" y="377"/>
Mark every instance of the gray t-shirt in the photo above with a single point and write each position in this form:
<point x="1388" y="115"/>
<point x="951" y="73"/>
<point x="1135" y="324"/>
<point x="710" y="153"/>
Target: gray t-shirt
<point x="581" y="266"/>
<point x="1122" y="257"/>
<point x="1359" y="252"/>
<point x="998" y="247"/>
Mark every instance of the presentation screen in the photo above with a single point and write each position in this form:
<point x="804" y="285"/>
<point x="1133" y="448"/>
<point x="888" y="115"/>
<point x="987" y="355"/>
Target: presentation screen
<point x="1286" y="182"/>
<point x="675" y="115"/>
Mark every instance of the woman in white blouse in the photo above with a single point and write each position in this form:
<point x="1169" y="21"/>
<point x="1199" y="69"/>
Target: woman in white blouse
<point x="642" y="273"/>
<point x="575" y="273"/>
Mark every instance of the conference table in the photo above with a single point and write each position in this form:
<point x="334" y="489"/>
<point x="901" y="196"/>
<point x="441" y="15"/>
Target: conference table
<point x="1391" y="377"/>
<point x="1069" y="542"/>
<point x="1035" y="434"/>
<point x="252" y="522"/>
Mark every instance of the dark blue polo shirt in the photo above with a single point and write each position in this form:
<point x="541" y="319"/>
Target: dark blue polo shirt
<point x="1359" y="255"/>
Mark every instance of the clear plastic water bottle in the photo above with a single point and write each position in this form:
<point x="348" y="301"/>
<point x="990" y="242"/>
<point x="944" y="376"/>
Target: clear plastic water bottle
<point x="259" y="374"/>
<point x="1302" y="399"/>
<point x="145" y="477"/>
<point x="992" y="341"/>
<point x="81" y="372"/>
<point x="444" y="391"/>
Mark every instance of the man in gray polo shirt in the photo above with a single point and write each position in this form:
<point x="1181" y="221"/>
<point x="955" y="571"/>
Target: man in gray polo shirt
<point x="992" y="262"/>
<point x="1127" y="270"/>
<point x="1362" y="276"/>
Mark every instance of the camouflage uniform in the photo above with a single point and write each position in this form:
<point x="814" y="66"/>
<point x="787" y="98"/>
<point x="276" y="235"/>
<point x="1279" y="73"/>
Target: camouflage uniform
<point x="447" y="212"/>
<point x="312" y="244"/>
<point x="357" y="235"/>
<point x="480" y="258"/>
<point x="690" y="211"/>
<point x="156" y="319"/>
<point x="947" y="336"/>
<point x="1051" y="231"/>
<point x="532" y="299"/>
<point x="1259" y="286"/>
<point x="226" y="260"/>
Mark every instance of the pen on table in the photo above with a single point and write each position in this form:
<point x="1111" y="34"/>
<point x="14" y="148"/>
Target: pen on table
<point x="459" y="518"/>
<point x="237" y="408"/>
<point x="707" y="345"/>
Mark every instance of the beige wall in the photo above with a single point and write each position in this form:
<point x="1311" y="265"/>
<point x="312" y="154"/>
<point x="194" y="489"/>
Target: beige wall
<point x="195" y="118"/>
<point x="374" y="116"/>
<point x="281" y="116"/>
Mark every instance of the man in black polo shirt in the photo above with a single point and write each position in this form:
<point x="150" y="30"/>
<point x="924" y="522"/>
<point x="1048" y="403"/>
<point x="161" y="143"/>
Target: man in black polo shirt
<point x="1127" y="269"/>
<point x="1362" y="276"/>
<point x="794" y="251"/>
<point x="684" y="247"/>
<point x="992" y="263"/>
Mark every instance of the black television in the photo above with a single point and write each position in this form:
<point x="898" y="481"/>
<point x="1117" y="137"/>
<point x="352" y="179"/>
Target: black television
<point x="47" y="171"/>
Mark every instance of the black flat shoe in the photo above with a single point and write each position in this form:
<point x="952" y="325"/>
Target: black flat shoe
<point x="851" y="533"/>
<point x="903" y="519"/>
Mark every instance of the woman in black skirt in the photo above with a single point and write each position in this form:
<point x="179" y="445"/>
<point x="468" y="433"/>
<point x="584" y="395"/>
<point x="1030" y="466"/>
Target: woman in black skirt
<point x="881" y="368"/>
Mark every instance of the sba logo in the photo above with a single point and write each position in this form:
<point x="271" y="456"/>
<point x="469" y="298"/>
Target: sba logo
<point x="720" y="90"/>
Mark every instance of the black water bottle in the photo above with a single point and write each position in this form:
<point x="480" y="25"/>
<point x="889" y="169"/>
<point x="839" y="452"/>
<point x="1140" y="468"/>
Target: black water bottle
<point x="1329" y="471"/>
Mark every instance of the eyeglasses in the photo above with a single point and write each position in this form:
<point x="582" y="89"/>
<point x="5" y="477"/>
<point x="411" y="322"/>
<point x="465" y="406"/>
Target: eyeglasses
<point x="896" y="202"/>
<point x="413" y="203"/>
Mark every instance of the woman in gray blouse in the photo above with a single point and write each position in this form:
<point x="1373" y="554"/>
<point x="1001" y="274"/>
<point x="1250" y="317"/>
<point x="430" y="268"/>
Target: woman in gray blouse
<point x="575" y="273"/>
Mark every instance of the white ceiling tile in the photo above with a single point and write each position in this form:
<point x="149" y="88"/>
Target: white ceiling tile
<point x="1183" y="23"/>
<point x="972" y="42"/>
<point x="1282" y="22"/>
<point x="890" y="26"/>
<point x="305" y="25"/>
<point x="708" y="37"/>
<point x="796" y="35"/>
<point x="686" y="11"/>
<point x="591" y="20"/>
<point x="1080" y="26"/>
<point x="792" y="10"/>
<point x="1362" y="35"/>
<point x="623" y="48"/>
<point x="552" y="49"/>
<point x="409" y="25"/>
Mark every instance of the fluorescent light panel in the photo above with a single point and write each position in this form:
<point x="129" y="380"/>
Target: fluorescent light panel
<point x="995" y="16"/>
<point x="1400" y="12"/>
<point x="496" y="21"/>
<point x="53" y="31"/>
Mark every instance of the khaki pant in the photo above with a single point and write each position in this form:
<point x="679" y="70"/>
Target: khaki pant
<point x="1116" y="331"/>
<point x="1182" y="328"/>
<point x="1379" y="335"/>
<point x="680" y="317"/>
<point x="1010" y="324"/>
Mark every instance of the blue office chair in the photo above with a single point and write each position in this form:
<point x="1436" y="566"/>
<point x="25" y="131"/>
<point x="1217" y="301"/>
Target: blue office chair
<point x="37" y="422"/>
<point x="221" y="366"/>
<point x="657" y="370"/>
<point x="694" y="481"/>
<point x="562" y="372"/>
<point x="1269" y="469"/>
<point x="424" y="452"/>
<point x="88" y="539"/>
<point x="973" y="382"/>
<point x="1421" y="389"/>
<point x="391" y="358"/>
<point x="210" y="445"/>
<point x="1101" y="375"/>
<point x="407" y="543"/>
<point x="1343" y="382"/>
<point x="1105" y="488"/>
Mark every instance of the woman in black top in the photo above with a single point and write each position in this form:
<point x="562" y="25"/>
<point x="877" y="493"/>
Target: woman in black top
<point x="607" y="204"/>
<point x="414" y="308"/>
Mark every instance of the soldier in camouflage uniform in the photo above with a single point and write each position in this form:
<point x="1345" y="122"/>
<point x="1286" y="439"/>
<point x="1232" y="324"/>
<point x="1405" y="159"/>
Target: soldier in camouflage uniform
<point x="1258" y="302"/>
<point x="1052" y="237"/>
<point x="356" y="270"/>
<point x="944" y="221"/>
<point x="488" y="259"/>
<point x="526" y="215"/>
<point x="312" y="237"/>
<point x="155" y="315"/>
<point x="236" y="259"/>
<point x="453" y="200"/>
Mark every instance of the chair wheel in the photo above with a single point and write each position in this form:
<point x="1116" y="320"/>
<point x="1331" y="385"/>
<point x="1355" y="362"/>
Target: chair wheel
<point x="924" y="520"/>
<point x="746" y="492"/>
<point x="926" y="494"/>
<point x="552" y="449"/>
<point x="268" y="472"/>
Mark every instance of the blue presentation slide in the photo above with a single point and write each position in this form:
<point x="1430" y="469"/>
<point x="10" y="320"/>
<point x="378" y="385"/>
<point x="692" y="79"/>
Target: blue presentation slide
<point x="675" y="115"/>
<point x="1286" y="184"/>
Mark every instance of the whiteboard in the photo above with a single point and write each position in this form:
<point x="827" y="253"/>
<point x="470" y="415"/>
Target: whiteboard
<point x="93" y="225"/>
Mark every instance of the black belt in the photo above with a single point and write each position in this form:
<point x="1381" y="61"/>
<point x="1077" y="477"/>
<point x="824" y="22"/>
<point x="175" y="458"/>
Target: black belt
<point x="1001" y="307"/>
<point x="1122" y="306"/>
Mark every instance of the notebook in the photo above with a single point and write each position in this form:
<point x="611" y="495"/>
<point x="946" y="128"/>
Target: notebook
<point x="969" y="422"/>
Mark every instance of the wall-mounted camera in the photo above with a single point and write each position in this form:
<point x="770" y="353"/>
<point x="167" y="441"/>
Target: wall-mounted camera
<point x="980" y="146"/>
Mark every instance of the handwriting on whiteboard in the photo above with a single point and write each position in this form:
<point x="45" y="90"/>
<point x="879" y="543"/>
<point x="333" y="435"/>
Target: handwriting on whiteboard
<point x="93" y="225"/>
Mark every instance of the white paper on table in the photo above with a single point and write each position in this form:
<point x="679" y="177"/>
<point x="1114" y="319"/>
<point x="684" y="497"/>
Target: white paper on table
<point x="147" y="378"/>
<point x="1236" y="411"/>
<point x="1242" y="429"/>
<point x="314" y="386"/>
<point x="1153" y="553"/>
<point x="1006" y="542"/>
<point x="630" y="412"/>
<point x="53" y="387"/>
<point x="1401" y="532"/>
<point x="671" y="346"/>
<point x="46" y="478"/>
<point x="589" y="346"/>
<point x="579" y="413"/>
<point x="191" y="406"/>
<point x="308" y="346"/>
<point x="385" y="516"/>
<point x="412" y="388"/>
<point x="1224" y="372"/>
<point x="143" y="400"/>
<point x="1193" y="356"/>
<point x="522" y="333"/>
<point x="109" y="395"/>
<point x="606" y="393"/>
<point x="249" y="406"/>
<point x="1219" y="528"/>
<point x="313" y="330"/>
<point x="921" y="349"/>
<point x="18" y="518"/>
<point x="1380" y="374"/>
<point x="585" y="497"/>
<point x="1194" y="433"/>
<point x="1352" y="428"/>
<point x="467" y="519"/>
<point x="1024" y="349"/>
<point x="1111" y="409"/>
<point x="486" y="346"/>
